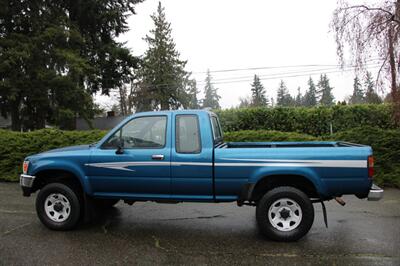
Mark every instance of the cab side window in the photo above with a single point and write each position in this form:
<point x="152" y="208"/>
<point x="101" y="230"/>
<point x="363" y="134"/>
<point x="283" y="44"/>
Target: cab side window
<point x="187" y="134"/>
<point x="141" y="132"/>
<point x="216" y="128"/>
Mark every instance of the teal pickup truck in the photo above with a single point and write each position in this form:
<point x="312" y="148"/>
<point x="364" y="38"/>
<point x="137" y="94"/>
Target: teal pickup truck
<point x="180" y="156"/>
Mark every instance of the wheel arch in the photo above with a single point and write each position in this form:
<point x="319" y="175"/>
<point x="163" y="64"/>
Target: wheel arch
<point x="53" y="168"/>
<point x="60" y="175"/>
<point x="298" y="181"/>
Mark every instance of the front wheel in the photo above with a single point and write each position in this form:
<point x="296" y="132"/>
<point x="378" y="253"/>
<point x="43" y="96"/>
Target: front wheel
<point x="58" y="206"/>
<point x="284" y="214"/>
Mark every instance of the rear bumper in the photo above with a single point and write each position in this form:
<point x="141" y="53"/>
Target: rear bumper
<point x="26" y="182"/>
<point x="375" y="193"/>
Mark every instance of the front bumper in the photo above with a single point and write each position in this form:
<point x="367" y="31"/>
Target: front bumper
<point x="26" y="183"/>
<point x="375" y="193"/>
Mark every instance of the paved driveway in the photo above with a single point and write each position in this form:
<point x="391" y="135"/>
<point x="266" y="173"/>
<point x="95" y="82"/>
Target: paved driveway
<point x="361" y="233"/>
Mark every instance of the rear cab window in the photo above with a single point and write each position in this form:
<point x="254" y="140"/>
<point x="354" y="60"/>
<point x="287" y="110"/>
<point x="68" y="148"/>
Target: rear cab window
<point x="187" y="134"/>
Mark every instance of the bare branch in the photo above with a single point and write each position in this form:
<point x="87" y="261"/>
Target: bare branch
<point x="380" y="70"/>
<point x="368" y="8"/>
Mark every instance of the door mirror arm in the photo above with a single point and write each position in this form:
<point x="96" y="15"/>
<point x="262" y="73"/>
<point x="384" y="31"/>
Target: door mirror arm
<point x="120" y="148"/>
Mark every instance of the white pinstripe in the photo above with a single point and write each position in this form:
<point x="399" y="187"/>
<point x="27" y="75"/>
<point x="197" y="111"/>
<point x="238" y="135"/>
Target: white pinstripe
<point x="251" y="163"/>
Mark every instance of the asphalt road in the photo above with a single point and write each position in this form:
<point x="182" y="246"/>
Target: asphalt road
<point x="361" y="233"/>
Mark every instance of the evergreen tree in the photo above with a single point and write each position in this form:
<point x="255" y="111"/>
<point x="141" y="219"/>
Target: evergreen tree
<point x="283" y="97"/>
<point x="193" y="102"/>
<point x="163" y="79"/>
<point x="244" y="102"/>
<point x="211" y="97"/>
<point x="370" y="95"/>
<point x="310" y="97"/>
<point x="272" y="102"/>
<point x="358" y="94"/>
<point x="258" y="93"/>
<point x="325" y="90"/>
<point x="299" y="98"/>
<point x="53" y="58"/>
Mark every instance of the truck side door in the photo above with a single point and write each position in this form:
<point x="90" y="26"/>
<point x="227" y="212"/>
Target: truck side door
<point x="142" y="169"/>
<point x="191" y="158"/>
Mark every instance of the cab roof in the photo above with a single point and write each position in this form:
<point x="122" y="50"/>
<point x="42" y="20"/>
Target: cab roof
<point x="186" y="111"/>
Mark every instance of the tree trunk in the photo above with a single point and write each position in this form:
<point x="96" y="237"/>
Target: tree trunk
<point x="164" y="104"/>
<point x="122" y="101"/>
<point x="15" y="119"/>
<point x="15" y="113"/>
<point x="393" y="76"/>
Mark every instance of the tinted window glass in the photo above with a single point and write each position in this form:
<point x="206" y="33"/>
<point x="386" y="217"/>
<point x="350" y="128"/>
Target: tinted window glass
<point x="187" y="134"/>
<point x="216" y="129"/>
<point x="141" y="132"/>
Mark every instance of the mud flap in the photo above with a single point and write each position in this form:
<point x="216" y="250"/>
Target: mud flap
<point x="324" y="213"/>
<point x="89" y="209"/>
<point x="323" y="210"/>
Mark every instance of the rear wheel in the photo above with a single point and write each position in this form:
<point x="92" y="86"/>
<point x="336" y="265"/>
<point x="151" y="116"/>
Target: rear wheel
<point x="284" y="214"/>
<point x="58" y="206"/>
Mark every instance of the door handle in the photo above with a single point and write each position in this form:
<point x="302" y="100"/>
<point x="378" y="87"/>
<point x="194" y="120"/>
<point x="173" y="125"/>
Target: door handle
<point x="159" y="157"/>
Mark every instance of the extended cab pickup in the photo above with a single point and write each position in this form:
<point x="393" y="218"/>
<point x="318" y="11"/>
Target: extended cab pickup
<point x="180" y="156"/>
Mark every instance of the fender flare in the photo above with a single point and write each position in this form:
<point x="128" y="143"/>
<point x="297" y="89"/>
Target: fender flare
<point x="263" y="173"/>
<point x="67" y="166"/>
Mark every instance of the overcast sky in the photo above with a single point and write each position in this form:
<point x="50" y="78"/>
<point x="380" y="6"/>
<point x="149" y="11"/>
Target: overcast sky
<point x="232" y="34"/>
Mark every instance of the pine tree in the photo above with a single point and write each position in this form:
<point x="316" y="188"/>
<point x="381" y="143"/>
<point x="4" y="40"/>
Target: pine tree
<point x="272" y="102"/>
<point x="193" y="102"/>
<point x="244" y="102"/>
<point x="258" y="93"/>
<point x="299" y="98"/>
<point x="310" y="97"/>
<point x="283" y="97"/>
<point x="358" y="96"/>
<point x="62" y="58"/>
<point x="163" y="76"/>
<point x="211" y="97"/>
<point x="370" y="95"/>
<point x="325" y="90"/>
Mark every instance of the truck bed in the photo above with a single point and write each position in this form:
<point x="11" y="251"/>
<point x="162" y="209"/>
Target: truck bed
<point x="309" y="144"/>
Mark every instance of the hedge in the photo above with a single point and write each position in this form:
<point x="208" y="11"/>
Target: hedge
<point x="313" y="121"/>
<point x="386" y="145"/>
<point x="15" y="146"/>
<point x="265" y="135"/>
<point x="386" y="148"/>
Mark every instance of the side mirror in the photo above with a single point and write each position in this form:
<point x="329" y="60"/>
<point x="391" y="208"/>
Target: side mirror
<point x="120" y="147"/>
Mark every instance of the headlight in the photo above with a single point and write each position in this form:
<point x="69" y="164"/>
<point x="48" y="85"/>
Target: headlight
<point x="25" y="166"/>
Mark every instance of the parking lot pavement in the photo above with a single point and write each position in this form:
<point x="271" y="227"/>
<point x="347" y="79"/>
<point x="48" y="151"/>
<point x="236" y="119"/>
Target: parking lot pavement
<point x="361" y="233"/>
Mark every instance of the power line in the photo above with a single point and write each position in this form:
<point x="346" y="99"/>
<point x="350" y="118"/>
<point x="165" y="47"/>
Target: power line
<point x="272" y="76"/>
<point x="273" y="67"/>
<point x="287" y="76"/>
<point x="310" y="71"/>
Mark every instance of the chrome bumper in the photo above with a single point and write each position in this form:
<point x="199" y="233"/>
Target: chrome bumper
<point x="375" y="193"/>
<point x="26" y="180"/>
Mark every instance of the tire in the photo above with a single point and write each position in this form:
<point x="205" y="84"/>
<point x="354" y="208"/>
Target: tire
<point x="58" y="206"/>
<point x="284" y="214"/>
<point x="105" y="203"/>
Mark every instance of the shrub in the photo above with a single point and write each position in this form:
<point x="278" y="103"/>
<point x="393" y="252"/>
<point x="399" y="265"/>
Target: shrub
<point x="386" y="148"/>
<point x="15" y="146"/>
<point x="313" y="121"/>
<point x="265" y="135"/>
